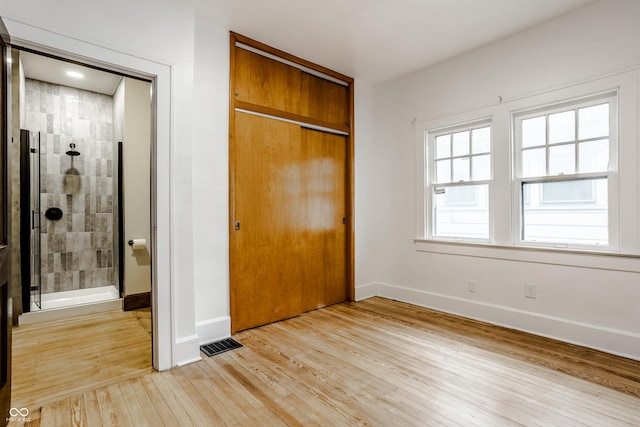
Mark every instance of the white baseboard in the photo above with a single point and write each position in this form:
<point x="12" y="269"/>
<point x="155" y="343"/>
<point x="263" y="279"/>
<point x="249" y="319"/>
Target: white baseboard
<point x="614" y="341"/>
<point x="212" y="330"/>
<point x="186" y="350"/>
<point x="365" y="291"/>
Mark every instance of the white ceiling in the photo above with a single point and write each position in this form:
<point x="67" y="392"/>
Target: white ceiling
<point x="371" y="40"/>
<point x="378" y="40"/>
<point x="39" y="67"/>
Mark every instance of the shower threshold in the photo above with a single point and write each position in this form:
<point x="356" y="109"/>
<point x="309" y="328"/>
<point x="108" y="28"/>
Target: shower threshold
<point x="61" y="305"/>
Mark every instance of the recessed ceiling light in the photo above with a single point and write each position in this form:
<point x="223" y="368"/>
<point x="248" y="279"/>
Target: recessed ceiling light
<point x="75" y="74"/>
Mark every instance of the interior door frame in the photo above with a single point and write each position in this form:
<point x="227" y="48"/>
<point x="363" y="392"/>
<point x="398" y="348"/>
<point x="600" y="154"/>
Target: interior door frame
<point x="56" y="45"/>
<point x="350" y="175"/>
<point x="5" y="234"/>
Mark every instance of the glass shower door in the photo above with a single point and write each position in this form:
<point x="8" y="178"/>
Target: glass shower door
<point x="34" y="191"/>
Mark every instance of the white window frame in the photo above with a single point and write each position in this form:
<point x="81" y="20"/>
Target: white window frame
<point x="610" y="97"/>
<point x="430" y="184"/>
<point x="624" y="244"/>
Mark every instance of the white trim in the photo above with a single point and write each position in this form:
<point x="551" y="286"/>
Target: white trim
<point x="212" y="330"/>
<point x="610" y="340"/>
<point x="46" y="41"/>
<point x="186" y="350"/>
<point x="555" y="256"/>
<point x="365" y="291"/>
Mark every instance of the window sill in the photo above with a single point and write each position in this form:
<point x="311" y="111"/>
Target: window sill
<point x="565" y="257"/>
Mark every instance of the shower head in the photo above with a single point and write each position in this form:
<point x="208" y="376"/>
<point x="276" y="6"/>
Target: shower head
<point x="72" y="152"/>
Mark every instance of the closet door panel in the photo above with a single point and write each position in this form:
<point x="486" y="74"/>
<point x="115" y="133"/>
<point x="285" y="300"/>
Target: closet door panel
<point x="262" y="81"/>
<point x="265" y="250"/>
<point x="323" y="100"/>
<point x="323" y="207"/>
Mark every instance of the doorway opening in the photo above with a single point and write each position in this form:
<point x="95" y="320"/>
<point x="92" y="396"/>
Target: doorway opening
<point x="81" y="136"/>
<point x="80" y="129"/>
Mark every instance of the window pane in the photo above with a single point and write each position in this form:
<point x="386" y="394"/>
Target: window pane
<point x="462" y="212"/>
<point x="562" y="159"/>
<point x="481" y="140"/>
<point x="555" y="213"/>
<point x="443" y="146"/>
<point x="593" y="122"/>
<point x="593" y="156"/>
<point x="481" y="167"/>
<point x="534" y="162"/>
<point x="461" y="143"/>
<point x="562" y="127"/>
<point x="443" y="171"/>
<point x="568" y="191"/>
<point x="534" y="132"/>
<point x="461" y="169"/>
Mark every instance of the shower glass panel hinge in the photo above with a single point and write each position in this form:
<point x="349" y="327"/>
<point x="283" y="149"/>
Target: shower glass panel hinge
<point x="237" y="225"/>
<point x="33" y="219"/>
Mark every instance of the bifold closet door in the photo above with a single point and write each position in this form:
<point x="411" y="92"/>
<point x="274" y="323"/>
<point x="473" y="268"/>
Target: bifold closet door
<point x="288" y="246"/>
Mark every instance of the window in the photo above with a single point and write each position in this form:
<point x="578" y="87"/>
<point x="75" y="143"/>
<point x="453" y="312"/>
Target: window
<point x="459" y="185"/>
<point x="557" y="170"/>
<point x="562" y="172"/>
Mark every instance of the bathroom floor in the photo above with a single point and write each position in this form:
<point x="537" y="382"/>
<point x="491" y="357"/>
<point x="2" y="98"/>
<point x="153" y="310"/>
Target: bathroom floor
<point x="60" y="358"/>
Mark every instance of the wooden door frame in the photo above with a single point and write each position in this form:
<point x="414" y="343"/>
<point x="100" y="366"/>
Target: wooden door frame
<point x="350" y="176"/>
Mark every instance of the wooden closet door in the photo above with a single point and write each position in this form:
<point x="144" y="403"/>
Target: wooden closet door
<point x="265" y="250"/>
<point x="267" y="83"/>
<point x="324" y="100"/>
<point x="323" y="194"/>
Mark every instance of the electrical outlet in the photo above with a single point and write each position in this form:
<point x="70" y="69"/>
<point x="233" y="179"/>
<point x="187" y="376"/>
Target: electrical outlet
<point x="471" y="285"/>
<point x="530" y="290"/>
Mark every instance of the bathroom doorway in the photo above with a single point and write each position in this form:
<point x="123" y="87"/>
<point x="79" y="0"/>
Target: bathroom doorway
<point x="82" y="293"/>
<point x="82" y="129"/>
<point x="76" y="144"/>
<point x="35" y="39"/>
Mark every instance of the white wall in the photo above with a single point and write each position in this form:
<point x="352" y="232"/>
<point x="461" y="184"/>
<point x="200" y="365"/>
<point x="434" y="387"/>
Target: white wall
<point x="365" y="190"/>
<point x="595" y="307"/>
<point x="210" y="183"/>
<point x="136" y="176"/>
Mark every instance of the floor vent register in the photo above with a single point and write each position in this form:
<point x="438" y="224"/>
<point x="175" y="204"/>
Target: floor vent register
<point x="220" y="347"/>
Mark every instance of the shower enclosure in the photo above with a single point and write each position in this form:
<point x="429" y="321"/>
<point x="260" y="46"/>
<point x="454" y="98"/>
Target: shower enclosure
<point x="69" y="204"/>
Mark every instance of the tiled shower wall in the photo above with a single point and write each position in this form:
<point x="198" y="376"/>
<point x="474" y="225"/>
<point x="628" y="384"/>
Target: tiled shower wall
<point x="77" y="250"/>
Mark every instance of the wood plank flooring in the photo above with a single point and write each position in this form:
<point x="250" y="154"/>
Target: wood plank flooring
<point x="373" y="363"/>
<point x="58" y="359"/>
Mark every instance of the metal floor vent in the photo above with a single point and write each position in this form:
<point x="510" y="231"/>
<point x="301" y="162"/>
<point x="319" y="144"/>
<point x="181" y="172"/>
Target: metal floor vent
<point x="220" y="347"/>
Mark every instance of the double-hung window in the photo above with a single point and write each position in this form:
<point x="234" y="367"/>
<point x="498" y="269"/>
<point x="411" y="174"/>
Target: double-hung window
<point x="458" y="186"/>
<point x="556" y="170"/>
<point x="564" y="161"/>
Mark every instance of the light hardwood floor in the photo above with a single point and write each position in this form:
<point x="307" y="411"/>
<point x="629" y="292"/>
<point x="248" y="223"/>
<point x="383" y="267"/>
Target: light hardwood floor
<point x="62" y="358"/>
<point x="375" y="362"/>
